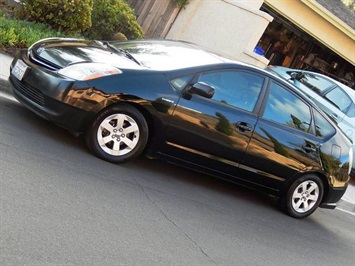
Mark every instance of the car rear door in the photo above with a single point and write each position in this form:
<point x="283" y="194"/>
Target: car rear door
<point x="284" y="142"/>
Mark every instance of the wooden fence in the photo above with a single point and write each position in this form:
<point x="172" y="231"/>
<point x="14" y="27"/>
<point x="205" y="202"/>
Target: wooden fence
<point x="155" y="16"/>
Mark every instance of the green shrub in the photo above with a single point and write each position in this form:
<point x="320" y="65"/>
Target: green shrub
<point x="20" y="34"/>
<point x="110" y="17"/>
<point x="182" y="3"/>
<point x="62" y="15"/>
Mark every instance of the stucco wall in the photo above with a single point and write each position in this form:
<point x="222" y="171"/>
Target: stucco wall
<point x="232" y="27"/>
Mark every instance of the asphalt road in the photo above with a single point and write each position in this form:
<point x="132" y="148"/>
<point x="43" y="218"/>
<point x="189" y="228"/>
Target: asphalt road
<point x="60" y="205"/>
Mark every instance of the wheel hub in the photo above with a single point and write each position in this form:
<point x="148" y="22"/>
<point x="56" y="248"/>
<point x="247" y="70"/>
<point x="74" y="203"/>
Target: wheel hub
<point x="305" y="196"/>
<point x="118" y="134"/>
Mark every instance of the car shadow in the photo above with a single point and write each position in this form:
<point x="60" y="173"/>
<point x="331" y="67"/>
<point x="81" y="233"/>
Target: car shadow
<point x="192" y="178"/>
<point x="33" y="125"/>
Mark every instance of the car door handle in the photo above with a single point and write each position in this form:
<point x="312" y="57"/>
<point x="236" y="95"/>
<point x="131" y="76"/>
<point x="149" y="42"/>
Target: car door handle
<point x="334" y="116"/>
<point x="309" y="148"/>
<point x="242" y="126"/>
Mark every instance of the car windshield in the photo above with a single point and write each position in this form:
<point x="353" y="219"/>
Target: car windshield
<point x="167" y="55"/>
<point x="336" y="95"/>
<point x="315" y="83"/>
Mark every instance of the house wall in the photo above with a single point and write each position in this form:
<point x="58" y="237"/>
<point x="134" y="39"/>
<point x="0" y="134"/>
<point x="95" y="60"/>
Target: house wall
<point x="232" y="27"/>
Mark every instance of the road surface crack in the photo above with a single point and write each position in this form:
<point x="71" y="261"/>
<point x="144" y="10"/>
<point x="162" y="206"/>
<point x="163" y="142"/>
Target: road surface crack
<point x="172" y="222"/>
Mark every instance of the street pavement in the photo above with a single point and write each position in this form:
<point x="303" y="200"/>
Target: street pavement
<point x="347" y="202"/>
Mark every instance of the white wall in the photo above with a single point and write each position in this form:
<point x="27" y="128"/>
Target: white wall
<point x="231" y="27"/>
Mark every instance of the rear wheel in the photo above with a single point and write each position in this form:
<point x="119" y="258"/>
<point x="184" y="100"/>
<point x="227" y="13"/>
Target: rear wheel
<point x="118" y="134"/>
<point x="303" y="196"/>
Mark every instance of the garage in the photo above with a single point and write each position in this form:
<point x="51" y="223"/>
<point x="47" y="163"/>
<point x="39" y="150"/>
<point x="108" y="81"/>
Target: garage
<point x="289" y="40"/>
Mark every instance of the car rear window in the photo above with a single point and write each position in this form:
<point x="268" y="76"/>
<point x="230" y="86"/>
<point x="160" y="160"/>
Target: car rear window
<point x="339" y="98"/>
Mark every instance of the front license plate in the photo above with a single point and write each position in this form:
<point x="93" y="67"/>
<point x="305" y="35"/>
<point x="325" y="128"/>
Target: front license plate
<point x="19" y="69"/>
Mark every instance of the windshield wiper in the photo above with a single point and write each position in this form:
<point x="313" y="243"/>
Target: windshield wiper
<point x="295" y="75"/>
<point x="120" y="50"/>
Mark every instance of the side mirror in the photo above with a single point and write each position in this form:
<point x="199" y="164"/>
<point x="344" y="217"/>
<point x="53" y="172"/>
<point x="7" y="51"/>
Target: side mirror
<point x="202" y="89"/>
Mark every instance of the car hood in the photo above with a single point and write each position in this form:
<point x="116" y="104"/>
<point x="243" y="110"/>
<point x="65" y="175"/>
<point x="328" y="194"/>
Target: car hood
<point x="59" y="53"/>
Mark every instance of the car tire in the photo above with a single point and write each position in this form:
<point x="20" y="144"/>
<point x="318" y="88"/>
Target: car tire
<point x="303" y="196"/>
<point x="118" y="134"/>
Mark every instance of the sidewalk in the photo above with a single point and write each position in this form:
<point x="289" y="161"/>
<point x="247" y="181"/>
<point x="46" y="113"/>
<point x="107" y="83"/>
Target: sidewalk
<point x="5" y="62"/>
<point x="347" y="202"/>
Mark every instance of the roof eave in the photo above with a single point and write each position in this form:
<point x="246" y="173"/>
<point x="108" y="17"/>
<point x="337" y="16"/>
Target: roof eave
<point x="330" y="17"/>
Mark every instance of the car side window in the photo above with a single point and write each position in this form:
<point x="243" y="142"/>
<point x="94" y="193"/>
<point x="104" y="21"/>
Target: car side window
<point x="323" y="127"/>
<point x="240" y="89"/>
<point x="351" y="111"/>
<point x="339" y="98"/>
<point x="180" y="82"/>
<point x="286" y="108"/>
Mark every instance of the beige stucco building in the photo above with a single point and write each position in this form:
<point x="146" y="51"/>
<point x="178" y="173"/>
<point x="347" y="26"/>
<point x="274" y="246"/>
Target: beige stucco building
<point x="293" y="33"/>
<point x="230" y="26"/>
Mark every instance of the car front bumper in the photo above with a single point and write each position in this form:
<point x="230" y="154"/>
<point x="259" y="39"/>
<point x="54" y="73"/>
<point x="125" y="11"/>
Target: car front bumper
<point x="43" y="92"/>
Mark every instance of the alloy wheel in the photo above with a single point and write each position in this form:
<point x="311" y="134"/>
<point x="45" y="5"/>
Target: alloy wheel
<point x="118" y="134"/>
<point x="305" y="196"/>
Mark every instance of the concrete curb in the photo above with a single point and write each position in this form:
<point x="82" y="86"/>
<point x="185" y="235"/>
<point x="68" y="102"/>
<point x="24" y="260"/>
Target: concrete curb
<point x="346" y="206"/>
<point x="4" y="85"/>
<point x="347" y="202"/>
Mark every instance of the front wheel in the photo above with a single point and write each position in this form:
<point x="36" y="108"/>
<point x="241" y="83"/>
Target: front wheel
<point x="303" y="196"/>
<point x="118" y="134"/>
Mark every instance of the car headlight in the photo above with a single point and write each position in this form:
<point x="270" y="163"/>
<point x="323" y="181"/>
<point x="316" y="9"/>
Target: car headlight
<point x="87" y="71"/>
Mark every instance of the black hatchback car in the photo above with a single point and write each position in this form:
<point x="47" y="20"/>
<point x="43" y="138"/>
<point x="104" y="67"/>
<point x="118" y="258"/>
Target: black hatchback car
<point x="174" y="101"/>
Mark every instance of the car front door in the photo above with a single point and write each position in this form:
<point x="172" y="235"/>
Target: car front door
<point x="213" y="133"/>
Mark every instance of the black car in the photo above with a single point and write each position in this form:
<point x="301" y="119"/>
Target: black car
<point x="174" y="101"/>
